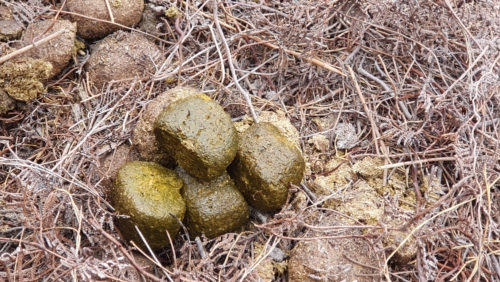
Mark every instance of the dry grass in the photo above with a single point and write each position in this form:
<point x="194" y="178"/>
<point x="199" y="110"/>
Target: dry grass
<point x="419" y="80"/>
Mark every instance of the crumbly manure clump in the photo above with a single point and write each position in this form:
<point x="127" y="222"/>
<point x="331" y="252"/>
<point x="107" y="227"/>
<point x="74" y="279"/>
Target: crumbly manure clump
<point x="23" y="78"/>
<point x="56" y="51"/>
<point x="121" y="56"/>
<point x="125" y="12"/>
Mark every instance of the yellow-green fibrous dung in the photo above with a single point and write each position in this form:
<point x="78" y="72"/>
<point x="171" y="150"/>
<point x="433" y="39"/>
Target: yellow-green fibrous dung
<point x="213" y="208"/>
<point x="199" y="135"/>
<point x="148" y="194"/>
<point x="23" y="78"/>
<point x="266" y="164"/>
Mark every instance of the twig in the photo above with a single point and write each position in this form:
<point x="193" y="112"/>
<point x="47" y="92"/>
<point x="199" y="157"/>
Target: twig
<point x="389" y="166"/>
<point x="31" y="46"/>
<point x="124" y="251"/>
<point x="231" y="66"/>
<point x="386" y="269"/>
<point x="314" y="61"/>
<point x="109" y="11"/>
<point x="387" y="89"/>
<point x="442" y="97"/>
<point x="260" y="258"/>
<point x="151" y="252"/>
<point x="95" y="128"/>
<point x="199" y="245"/>
<point x="309" y="192"/>
<point x="375" y="132"/>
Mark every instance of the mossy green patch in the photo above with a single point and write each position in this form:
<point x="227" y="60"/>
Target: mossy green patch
<point x="265" y="165"/>
<point x="172" y="12"/>
<point x="214" y="207"/>
<point x="79" y="45"/>
<point x="199" y="134"/>
<point x="150" y="195"/>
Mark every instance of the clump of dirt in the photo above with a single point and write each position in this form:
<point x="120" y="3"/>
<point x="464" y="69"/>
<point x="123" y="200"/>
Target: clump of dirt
<point x="121" y="56"/>
<point x="341" y="134"/>
<point x="10" y="29"/>
<point x="23" y="78"/>
<point x="358" y="191"/>
<point x="143" y="137"/>
<point x="6" y="103"/>
<point x="343" y="259"/>
<point x="345" y="136"/>
<point x="57" y="51"/>
<point x="320" y="143"/>
<point x="360" y="202"/>
<point x="272" y="265"/>
<point x="395" y="234"/>
<point x="172" y="12"/>
<point x="124" y="12"/>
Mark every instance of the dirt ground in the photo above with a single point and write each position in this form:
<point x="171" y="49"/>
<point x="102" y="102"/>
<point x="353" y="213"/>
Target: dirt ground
<point x="394" y="104"/>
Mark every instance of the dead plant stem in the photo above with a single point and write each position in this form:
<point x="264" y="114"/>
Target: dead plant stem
<point x="109" y="11"/>
<point x="441" y="159"/>
<point x="231" y="65"/>
<point x="314" y="61"/>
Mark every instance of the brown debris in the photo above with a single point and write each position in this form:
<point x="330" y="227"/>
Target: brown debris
<point x="348" y="259"/>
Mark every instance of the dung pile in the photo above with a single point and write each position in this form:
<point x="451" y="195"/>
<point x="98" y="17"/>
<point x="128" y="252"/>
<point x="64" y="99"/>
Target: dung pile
<point x="361" y="191"/>
<point x="265" y="165"/>
<point x="197" y="133"/>
<point x="120" y="56"/>
<point x="348" y="258"/>
<point x="23" y="78"/>
<point x="149" y="194"/>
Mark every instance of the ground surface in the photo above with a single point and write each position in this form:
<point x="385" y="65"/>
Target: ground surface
<point x="416" y="197"/>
